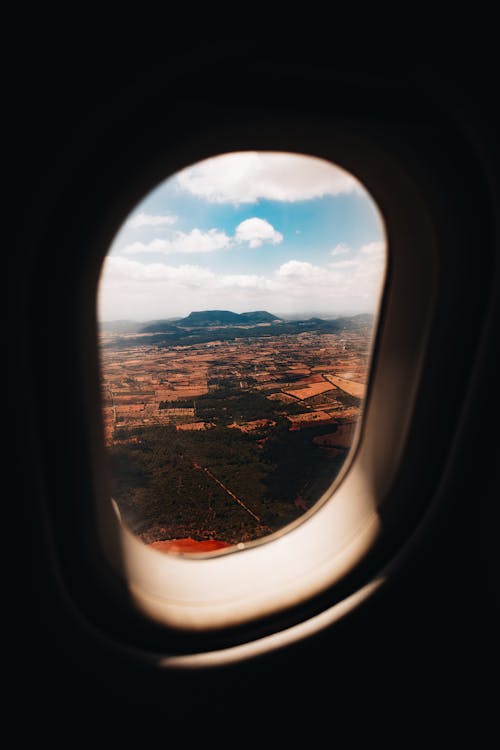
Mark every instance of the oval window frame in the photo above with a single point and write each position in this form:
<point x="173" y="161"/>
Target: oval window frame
<point x="229" y="591"/>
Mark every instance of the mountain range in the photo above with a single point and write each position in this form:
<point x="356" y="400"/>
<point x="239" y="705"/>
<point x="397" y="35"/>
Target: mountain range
<point x="206" y="325"/>
<point x="205" y="318"/>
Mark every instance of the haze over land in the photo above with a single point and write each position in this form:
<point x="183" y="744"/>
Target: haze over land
<point x="198" y="327"/>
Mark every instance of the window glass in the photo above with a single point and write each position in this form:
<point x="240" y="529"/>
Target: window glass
<point x="237" y="309"/>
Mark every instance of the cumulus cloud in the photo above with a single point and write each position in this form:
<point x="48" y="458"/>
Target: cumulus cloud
<point x="339" y="264"/>
<point x="149" y="220"/>
<point x="301" y="278"/>
<point x="118" y="269"/>
<point x="256" y="231"/>
<point x="373" y="248"/>
<point x="194" y="241"/>
<point x="253" y="231"/>
<point x="248" y="176"/>
<point x="298" y="269"/>
<point x="340" y="249"/>
<point x="130" y="288"/>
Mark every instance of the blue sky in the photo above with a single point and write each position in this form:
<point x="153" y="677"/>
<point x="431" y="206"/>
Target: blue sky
<point x="286" y="233"/>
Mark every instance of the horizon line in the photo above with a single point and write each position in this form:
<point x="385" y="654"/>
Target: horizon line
<point x="315" y="313"/>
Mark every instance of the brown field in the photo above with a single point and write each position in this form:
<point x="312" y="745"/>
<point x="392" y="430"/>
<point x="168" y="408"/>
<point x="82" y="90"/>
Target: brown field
<point x="318" y="378"/>
<point x="309" y="419"/>
<point x="309" y="369"/>
<point x="179" y="392"/>
<point x="125" y="411"/>
<point x="283" y="397"/>
<point x="349" y="386"/>
<point x="299" y="370"/>
<point x="129" y="401"/>
<point x="327" y="400"/>
<point x="310" y="390"/>
<point x="344" y="415"/>
<point x="190" y="426"/>
<point x="273" y="382"/>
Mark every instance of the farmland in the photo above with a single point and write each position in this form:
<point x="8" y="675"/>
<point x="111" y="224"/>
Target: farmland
<point x="229" y="438"/>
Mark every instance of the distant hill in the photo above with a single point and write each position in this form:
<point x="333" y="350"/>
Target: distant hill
<point x="258" y="316"/>
<point x="210" y="318"/>
<point x="160" y="326"/>
<point x="357" y="321"/>
<point x="225" y="318"/>
<point x="120" y="326"/>
<point x="209" y="325"/>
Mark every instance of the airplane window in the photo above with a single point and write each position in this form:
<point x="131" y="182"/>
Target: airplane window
<point x="237" y="310"/>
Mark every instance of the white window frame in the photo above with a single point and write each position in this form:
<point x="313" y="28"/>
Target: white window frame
<point x="223" y="591"/>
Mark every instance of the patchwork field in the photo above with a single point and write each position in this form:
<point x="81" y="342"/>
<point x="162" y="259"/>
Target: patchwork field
<point x="308" y="391"/>
<point x="224" y="441"/>
<point x="349" y="386"/>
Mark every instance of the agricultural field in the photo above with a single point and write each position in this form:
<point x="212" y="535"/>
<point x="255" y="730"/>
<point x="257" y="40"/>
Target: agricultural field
<point x="227" y="440"/>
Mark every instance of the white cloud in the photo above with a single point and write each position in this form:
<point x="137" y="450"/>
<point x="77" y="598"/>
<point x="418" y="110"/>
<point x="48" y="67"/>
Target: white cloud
<point x="149" y="220"/>
<point x="145" y="291"/>
<point x="299" y="277"/>
<point x="249" y="282"/>
<point x="340" y="249"/>
<point x="118" y="269"/>
<point x="256" y="231"/>
<point x="339" y="264"/>
<point x="298" y="269"/>
<point x="132" y="289"/>
<point x="248" y="176"/>
<point x="253" y="231"/>
<point x="194" y="241"/>
<point x="373" y="248"/>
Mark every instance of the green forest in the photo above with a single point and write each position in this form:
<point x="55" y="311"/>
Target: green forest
<point x="167" y="483"/>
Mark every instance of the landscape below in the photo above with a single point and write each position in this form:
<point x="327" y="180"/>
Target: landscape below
<point x="223" y="428"/>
